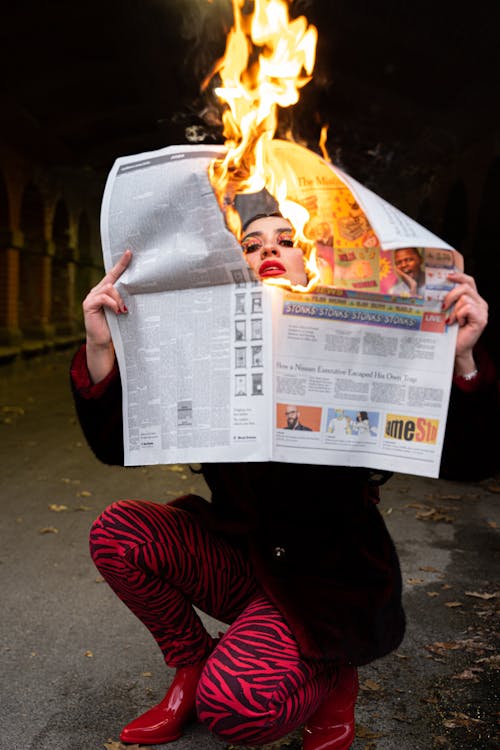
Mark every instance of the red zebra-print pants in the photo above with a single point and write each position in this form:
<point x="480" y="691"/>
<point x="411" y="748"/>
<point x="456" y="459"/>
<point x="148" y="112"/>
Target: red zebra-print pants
<point x="161" y="562"/>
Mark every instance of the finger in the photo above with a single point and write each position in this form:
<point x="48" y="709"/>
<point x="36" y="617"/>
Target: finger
<point x="467" y="288"/>
<point x="106" y="296"/>
<point x="120" y="266"/>
<point x="462" y="278"/>
<point x="468" y="311"/>
<point x="116" y="271"/>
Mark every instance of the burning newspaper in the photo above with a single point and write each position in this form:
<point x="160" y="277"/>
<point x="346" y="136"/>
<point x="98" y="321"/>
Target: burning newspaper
<point x="218" y="366"/>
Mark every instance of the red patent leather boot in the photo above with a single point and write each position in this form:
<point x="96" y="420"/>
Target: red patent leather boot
<point x="166" y="721"/>
<point x="331" y="727"/>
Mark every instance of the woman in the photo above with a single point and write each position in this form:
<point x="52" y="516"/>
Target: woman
<point x="308" y="581"/>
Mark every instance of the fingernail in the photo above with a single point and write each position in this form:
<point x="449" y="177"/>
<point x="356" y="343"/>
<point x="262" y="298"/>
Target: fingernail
<point x="125" y="308"/>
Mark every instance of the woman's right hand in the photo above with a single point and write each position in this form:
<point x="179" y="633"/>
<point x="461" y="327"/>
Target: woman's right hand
<point x="100" y="350"/>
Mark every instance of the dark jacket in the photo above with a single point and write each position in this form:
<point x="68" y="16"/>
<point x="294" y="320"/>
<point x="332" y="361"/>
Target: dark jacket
<point x="318" y="544"/>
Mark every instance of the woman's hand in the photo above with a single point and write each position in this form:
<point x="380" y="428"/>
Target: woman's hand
<point x="100" y="350"/>
<point x="470" y="311"/>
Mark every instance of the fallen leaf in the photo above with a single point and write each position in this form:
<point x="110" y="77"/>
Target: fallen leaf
<point x="434" y="515"/>
<point x="432" y="593"/>
<point x="147" y="674"/>
<point x="468" y="674"/>
<point x="479" y="595"/>
<point x="90" y="654"/>
<point x="491" y="661"/>
<point x="366" y="734"/>
<point x="494" y="487"/>
<point x="57" y="508"/>
<point x="371" y="685"/>
<point x="415" y="581"/>
<point x="459" y="719"/>
<point x="83" y="493"/>
<point x="48" y="530"/>
<point x="453" y="604"/>
<point x="440" y="647"/>
<point x="492" y="524"/>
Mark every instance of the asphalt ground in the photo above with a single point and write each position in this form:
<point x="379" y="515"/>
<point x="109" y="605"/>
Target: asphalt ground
<point x="76" y="665"/>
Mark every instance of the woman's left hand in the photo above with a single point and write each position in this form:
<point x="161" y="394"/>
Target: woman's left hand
<point x="470" y="311"/>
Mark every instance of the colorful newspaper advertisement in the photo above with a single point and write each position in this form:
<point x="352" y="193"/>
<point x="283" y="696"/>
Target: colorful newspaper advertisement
<point x="219" y="366"/>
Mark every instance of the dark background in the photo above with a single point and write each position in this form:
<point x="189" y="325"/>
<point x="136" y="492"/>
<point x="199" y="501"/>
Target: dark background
<point x="399" y="82"/>
<point x="409" y="91"/>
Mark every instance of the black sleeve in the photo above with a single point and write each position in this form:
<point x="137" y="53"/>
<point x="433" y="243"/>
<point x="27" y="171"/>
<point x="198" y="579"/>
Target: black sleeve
<point x="99" y="410"/>
<point x="471" y="444"/>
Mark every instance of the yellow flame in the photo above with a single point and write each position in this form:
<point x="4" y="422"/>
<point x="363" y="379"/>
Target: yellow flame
<point x="268" y="59"/>
<point x="322" y="143"/>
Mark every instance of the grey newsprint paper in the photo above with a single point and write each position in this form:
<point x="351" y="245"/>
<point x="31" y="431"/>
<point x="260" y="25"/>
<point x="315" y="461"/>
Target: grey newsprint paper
<point x="213" y="361"/>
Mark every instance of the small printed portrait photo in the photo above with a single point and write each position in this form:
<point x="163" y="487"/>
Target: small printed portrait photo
<point x="297" y="417"/>
<point x="370" y="239"/>
<point x="321" y="232"/>
<point x="256" y="302"/>
<point x="340" y="422"/>
<point x="185" y="414"/>
<point x="409" y="273"/>
<point x="256" y="329"/>
<point x="238" y="277"/>
<point x="366" y="424"/>
<point x="240" y="304"/>
<point x="240" y="330"/>
<point x="257" y="360"/>
<point x="240" y="357"/>
<point x="240" y="385"/>
<point x="257" y="384"/>
<point x="352" y="423"/>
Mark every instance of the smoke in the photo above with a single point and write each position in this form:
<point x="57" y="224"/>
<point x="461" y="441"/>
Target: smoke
<point x="202" y="27"/>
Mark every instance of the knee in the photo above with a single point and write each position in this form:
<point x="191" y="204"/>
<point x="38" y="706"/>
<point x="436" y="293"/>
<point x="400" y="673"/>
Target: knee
<point x="107" y="532"/>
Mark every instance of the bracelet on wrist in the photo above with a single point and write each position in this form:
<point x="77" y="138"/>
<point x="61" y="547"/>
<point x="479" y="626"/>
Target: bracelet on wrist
<point x="470" y="375"/>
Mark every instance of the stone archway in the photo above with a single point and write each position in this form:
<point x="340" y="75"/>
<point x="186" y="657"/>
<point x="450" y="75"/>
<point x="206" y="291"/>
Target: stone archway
<point x="84" y="267"/>
<point x="9" y="274"/>
<point x="34" y="271"/>
<point x="63" y="273"/>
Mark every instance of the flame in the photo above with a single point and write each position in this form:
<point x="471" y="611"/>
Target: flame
<point x="322" y="143"/>
<point x="268" y="59"/>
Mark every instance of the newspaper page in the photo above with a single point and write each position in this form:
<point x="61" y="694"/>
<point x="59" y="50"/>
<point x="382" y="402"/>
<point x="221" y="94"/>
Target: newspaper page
<point x="211" y="359"/>
<point x="194" y="351"/>
<point x="370" y="380"/>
